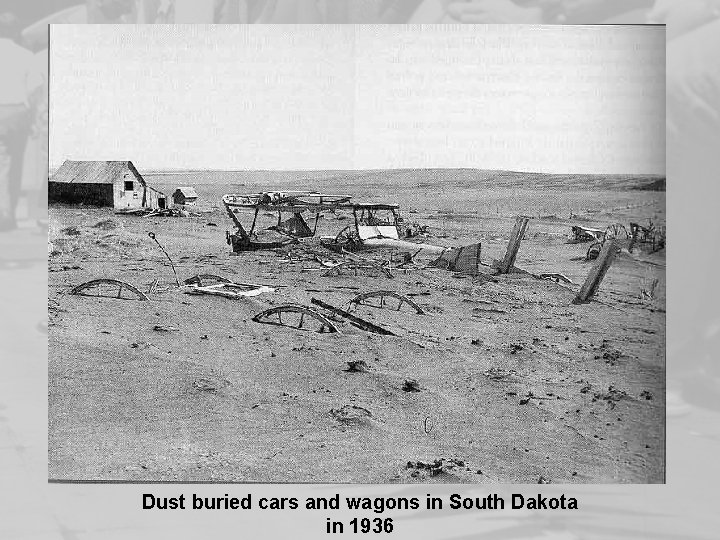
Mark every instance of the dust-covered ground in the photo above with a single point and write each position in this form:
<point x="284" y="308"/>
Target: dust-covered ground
<point x="514" y="383"/>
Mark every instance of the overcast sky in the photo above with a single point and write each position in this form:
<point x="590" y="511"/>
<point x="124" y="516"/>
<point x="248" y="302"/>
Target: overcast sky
<point x="547" y="99"/>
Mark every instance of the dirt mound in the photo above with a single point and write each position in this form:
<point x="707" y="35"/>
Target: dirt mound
<point x="107" y="224"/>
<point x="352" y="415"/>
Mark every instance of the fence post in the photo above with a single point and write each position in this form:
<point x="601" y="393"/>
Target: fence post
<point x="597" y="273"/>
<point x="508" y="262"/>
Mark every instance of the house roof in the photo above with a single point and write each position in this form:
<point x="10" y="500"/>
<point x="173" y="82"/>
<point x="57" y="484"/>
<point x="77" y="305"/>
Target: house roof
<point x="95" y="172"/>
<point x="188" y="192"/>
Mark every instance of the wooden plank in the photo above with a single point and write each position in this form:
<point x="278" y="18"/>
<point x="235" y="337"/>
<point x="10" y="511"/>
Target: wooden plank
<point x="506" y="265"/>
<point x="597" y="273"/>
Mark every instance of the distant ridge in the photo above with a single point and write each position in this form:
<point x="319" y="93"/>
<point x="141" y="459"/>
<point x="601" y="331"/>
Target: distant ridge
<point x="425" y="177"/>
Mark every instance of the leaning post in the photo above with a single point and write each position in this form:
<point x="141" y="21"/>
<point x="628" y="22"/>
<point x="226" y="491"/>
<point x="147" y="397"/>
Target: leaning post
<point x="508" y="262"/>
<point x="597" y="273"/>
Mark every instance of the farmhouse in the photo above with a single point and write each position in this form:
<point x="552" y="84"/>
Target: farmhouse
<point x="103" y="183"/>
<point x="185" y="195"/>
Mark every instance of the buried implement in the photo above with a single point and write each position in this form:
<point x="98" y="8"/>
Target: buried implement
<point x="229" y="289"/>
<point x="108" y="288"/>
<point x="295" y="317"/>
<point x="204" y="280"/>
<point x="464" y="259"/>
<point x="362" y="300"/>
<point x="355" y="321"/>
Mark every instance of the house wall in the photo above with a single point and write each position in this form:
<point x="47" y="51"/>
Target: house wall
<point x="152" y="199"/>
<point x="71" y="193"/>
<point x="128" y="198"/>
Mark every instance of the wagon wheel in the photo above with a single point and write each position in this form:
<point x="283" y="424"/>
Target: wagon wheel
<point x="658" y="238"/>
<point x="295" y="317"/>
<point x="105" y="288"/>
<point x="361" y="299"/>
<point x="616" y="230"/>
<point x="347" y="236"/>
<point x="593" y="251"/>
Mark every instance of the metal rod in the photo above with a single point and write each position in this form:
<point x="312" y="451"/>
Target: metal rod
<point x="177" y="279"/>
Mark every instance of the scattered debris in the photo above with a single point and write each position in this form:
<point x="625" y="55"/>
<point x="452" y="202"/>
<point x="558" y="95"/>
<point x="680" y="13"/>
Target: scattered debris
<point x="579" y="235"/>
<point x="203" y="384"/>
<point x="379" y="267"/>
<point x="612" y="396"/>
<point x="295" y="317"/>
<point x="500" y="374"/>
<point x="610" y="355"/>
<point x="71" y="231"/>
<point x="478" y="311"/>
<point x="649" y="292"/>
<point x="593" y="251"/>
<point x="351" y="414"/>
<point x="464" y="260"/>
<point x="361" y="300"/>
<point x="165" y="328"/>
<point x="645" y="394"/>
<point x="415" y="229"/>
<point x="557" y="278"/>
<point x="435" y="468"/>
<point x="355" y="321"/>
<point x="205" y="280"/>
<point x="375" y="225"/>
<point x="280" y="202"/>
<point x="153" y="286"/>
<point x="64" y="268"/>
<point x="229" y="290"/>
<point x="515" y="347"/>
<point x="411" y="385"/>
<point x="149" y="212"/>
<point x="105" y="287"/>
<point x="653" y="236"/>
<point x="357" y="366"/>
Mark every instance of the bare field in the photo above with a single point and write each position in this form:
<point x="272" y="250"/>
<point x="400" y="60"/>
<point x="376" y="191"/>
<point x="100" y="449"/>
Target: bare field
<point x="516" y="384"/>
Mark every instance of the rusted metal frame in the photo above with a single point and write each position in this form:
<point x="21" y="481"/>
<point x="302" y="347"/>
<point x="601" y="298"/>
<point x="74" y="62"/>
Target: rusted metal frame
<point x="358" y="300"/>
<point x="78" y="289"/>
<point x="262" y="317"/>
<point x="355" y="321"/>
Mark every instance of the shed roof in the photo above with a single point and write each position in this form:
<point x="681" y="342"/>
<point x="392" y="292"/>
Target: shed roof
<point x="94" y="172"/>
<point x="188" y="192"/>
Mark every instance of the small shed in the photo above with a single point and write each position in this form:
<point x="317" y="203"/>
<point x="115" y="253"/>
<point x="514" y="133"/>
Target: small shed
<point x="103" y="183"/>
<point x="184" y="196"/>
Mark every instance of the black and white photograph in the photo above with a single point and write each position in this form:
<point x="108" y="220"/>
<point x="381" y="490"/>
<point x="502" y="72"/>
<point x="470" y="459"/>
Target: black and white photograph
<point x="357" y="253"/>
